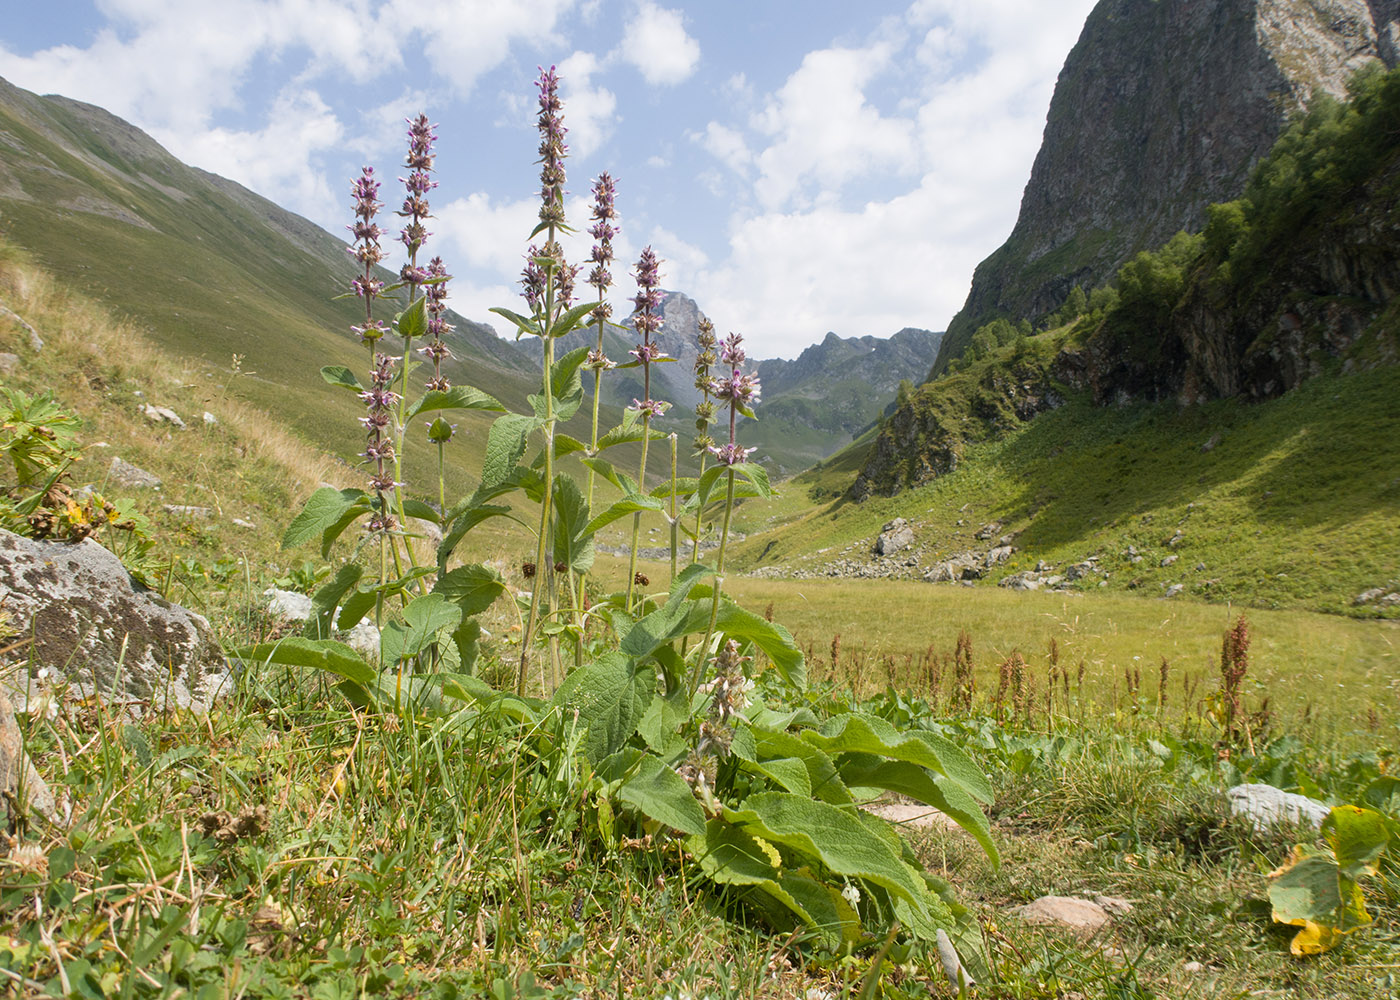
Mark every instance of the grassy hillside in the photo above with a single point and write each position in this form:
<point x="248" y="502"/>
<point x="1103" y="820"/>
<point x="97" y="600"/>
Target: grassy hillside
<point x="209" y="270"/>
<point x="1295" y="503"/>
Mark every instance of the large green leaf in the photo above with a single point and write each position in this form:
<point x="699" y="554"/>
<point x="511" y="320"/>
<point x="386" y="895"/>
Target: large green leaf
<point x="573" y="543"/>
<point x="505" y="443"/>
<point x="853" y="733"/>
<point x="945" y="795"/>
<point x="569" y="320"/>
<point x="1357" y="837"/>
<point x="323" y="509"/>
<point x="463" y="522"/>
<point x="661" y="794"/>
<point x="660" y="726"/>
<point x="731" y="856"/>
<point x="413" y="321"/>
<point x="344" y="378"/>
<point x="790" y="773"/>
<point x="473" y="588"/>
<point x="323" y="654"/>
<point x="772" y="638"/>
<point x="459" y="397"/>
<point x="327" y="598"/>
<point x="610" y="694"/>
<point x="521" y="324"/>
<point x="822" y="776"/>
<point x="1311" y="892"/>
<point x="840" y="843"/>
<point x="631" y="504"/>
<point x="425" y="617"/>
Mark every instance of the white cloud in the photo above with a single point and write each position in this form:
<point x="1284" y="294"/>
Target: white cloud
<point x="824" y="131"/>
<point x="656" y="43"/>
<point x="279" y="160"/>
<point x="727" y="145"/>
<point x="465" y="39"/>
<point x="810" y="261"/>
<point x="591" y="110"/>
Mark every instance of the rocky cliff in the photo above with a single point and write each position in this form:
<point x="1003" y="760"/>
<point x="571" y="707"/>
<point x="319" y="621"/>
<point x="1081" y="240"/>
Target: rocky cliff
<point x="1163" y="106"/>
<point x="1294" y="280"/>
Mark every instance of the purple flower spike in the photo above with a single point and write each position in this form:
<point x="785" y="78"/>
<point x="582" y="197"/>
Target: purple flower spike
<point x="648" y="274"/>
<point x="379" y="401"/>
<point x="602" y="230"/>
<point x="436" y="350"/>
<point x="552" y="148"/>
<point x="416" y="186"/>
<point x="365" y="194"/>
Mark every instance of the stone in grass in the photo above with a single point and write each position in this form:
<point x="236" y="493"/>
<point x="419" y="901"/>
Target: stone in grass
<point x="17" y="774"/>
<point x="913" y="815"/>
<point x="9" y="363"/>
<point x="895" y="535"/>
<point x="122" y="473"/>
<point x="162" y="415"/>
<point x="294" y="607"/>
<point x="102" y="632"/>
<point x="182" y="510"/>
<point x="1084" y="917"/>
<point x="1266" y="806"/>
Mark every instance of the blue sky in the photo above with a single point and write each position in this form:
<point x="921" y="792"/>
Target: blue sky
<point x="800" y="165"/>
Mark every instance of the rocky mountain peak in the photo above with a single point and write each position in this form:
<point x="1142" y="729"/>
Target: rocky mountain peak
<point x="1162" y="107"/>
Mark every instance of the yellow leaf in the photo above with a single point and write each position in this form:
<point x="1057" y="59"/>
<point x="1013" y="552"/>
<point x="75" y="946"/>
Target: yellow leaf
<point x="1314" y="939"/>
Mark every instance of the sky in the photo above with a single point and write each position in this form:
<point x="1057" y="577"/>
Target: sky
<point x="801" y="166"/>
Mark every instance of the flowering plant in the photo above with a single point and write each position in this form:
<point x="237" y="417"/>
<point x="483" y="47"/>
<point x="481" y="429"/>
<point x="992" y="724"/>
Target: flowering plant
<point x="693" y="741"/>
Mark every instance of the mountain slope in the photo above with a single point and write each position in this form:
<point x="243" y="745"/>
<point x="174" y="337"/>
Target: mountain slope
<point x="1163" y="107"/>
<point x="210" y="268"/>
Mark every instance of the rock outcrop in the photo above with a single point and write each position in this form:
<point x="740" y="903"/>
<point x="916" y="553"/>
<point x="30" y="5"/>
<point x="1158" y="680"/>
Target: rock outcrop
<point x="1163" y="107"/>
<point x="101" y="631"/>
<point x="927" y="436"/>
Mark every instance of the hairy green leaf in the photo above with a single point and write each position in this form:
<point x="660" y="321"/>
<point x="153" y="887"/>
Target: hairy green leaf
<point x="459" y="397"/>
<point x="505" y="443"/>
<point x="472" y="588"/>
<point x="342" y="377"/>
<point x="610" y="694"/>
<point x="323" y="509"/>
<point x="660" y="793"/>
<point x="630" y="504"/>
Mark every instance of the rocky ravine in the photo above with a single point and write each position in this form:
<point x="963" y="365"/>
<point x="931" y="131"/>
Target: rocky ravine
<point x="1163" y="107"/>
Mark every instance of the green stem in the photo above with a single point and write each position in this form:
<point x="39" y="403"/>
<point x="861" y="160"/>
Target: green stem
<point x="699" y="513"/>
<point x="541" y="550"/>
<point x="675" y="524"/>
<point x="637" y="517"/>
<point x="592" y="473"/>
<point x="719" y="586"/>
<point x="542" y="553"/>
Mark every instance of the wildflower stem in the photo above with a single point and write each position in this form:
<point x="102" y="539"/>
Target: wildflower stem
<point x="675" y="524"/>
<point x="718" y="586"/>
<point x="543" y="566"/>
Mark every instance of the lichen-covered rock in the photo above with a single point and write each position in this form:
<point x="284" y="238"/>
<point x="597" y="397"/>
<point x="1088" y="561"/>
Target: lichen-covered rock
<point x="894" y="537"/>
<point x="104" y="632"/>
<point x="123" y="473"/>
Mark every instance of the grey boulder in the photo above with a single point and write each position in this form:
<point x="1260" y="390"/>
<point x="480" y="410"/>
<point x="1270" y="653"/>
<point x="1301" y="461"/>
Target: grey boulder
<point x="1266" y="806"/>
<point x="103" y="632"/>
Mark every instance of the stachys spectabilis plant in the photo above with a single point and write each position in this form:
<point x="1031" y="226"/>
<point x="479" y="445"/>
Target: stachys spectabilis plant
<point x="679" y="713"/>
